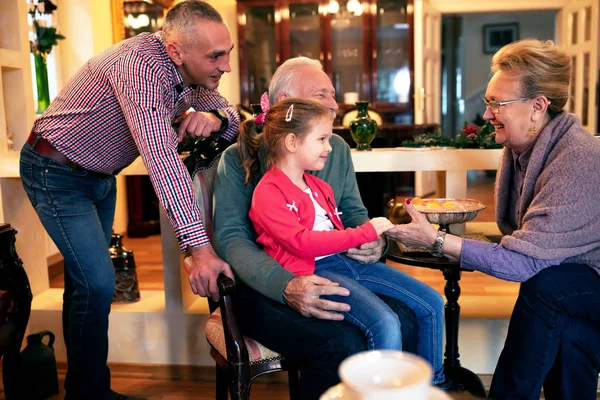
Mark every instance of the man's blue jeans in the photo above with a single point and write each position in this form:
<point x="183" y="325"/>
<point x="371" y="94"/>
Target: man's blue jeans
<point x="77" y="209"/>
<point x="558" y="307"/>
<point x="375" y="319"/>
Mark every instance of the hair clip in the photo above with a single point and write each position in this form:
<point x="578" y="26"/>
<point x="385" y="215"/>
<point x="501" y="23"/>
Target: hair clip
<point x="265" y="107"/>
<point x="289" y="113"/>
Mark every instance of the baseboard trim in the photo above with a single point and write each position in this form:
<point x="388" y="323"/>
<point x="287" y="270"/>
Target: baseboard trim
<point x="199" y="373"/>
<point x="172" y="372"/>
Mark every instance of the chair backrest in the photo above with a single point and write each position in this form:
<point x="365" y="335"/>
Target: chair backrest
<point x="350" y="115"/>
<point x="203" y="183"/>
<point x="202" y="164"/>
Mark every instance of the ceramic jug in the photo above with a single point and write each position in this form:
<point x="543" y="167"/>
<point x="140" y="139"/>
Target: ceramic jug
<point x="126" y="285"/>
<point x="38" y="377"/>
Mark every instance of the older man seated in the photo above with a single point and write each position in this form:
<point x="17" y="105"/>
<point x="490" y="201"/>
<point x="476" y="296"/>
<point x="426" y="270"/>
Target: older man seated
<point x="283" y="311"/>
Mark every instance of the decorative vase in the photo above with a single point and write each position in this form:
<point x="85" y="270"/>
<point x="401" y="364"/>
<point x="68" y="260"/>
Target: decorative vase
<point x="41" y="82"/>
<point x="38" y="376"/>
<point x="363" y="128"/>
<point x="126" y="285"/>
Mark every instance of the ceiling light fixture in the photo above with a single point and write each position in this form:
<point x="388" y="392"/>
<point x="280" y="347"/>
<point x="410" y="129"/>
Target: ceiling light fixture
<point x="333" y="7"/>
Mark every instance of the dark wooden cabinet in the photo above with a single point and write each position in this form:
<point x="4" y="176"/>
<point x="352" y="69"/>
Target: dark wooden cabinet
<point x="365" y="48"/>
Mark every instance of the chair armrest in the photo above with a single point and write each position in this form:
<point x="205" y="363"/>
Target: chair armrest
<point x="226" y="285"/>
<point x="237" y="353"/>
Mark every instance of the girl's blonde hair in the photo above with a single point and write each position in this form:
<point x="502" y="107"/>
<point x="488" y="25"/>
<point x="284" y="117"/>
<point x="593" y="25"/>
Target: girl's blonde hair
<point x="543" y="70"/>
<point x="281" y="120"/>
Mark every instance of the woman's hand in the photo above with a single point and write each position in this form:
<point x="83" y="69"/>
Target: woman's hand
<point x="418" y="233"/>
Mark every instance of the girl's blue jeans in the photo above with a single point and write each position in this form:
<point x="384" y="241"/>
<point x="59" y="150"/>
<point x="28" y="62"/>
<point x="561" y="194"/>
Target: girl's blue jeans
<point x="77" y="209"/>
<point x="377" y="321"/>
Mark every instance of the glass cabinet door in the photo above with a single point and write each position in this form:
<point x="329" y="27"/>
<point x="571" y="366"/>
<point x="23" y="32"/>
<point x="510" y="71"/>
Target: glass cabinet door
<point x="304" y="30"/>
<point x="347" y="50"/>
<point x="259" y="41"/>
<point x="392" y="61"/>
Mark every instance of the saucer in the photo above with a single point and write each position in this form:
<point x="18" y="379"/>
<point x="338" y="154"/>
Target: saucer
<point x="342" y="392"/>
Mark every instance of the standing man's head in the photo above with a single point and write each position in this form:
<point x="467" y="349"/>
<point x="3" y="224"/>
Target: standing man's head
<point x="198" y="42"/>
<point x="302" y="77"/>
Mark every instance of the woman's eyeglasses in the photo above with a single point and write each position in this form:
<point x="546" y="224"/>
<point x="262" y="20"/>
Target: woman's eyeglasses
<point x="494" y="106"/>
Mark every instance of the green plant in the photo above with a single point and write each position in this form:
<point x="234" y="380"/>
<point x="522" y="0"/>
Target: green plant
<point x="471" y="136"/>
<point x="46" y="37"/>
<point x="427" y="140"/>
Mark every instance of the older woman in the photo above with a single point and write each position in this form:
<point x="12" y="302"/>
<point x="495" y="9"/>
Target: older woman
<point x="547" y="194"/>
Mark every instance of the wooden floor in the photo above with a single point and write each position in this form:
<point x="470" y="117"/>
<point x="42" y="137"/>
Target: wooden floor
<point x="482" y="295"/>
<point x="189" y="389"/>
<point x="150" y="382"/>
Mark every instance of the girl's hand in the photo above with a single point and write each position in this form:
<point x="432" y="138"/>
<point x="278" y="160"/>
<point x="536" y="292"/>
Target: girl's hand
<point x="418" y="233"/>
<point x="381" y="225"/>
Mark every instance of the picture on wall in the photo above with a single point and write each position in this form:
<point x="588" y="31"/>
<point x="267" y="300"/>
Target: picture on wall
<point x="495" y="36"/>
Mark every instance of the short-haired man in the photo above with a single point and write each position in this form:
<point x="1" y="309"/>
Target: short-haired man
<point x="119" y="105"/>
<point x="274" y="305"/>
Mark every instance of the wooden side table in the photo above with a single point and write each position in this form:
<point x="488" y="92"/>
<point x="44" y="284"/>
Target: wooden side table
<point x="462" y="378"/>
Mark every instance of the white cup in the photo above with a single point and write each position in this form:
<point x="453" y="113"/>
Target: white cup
<point x="387" y="375"/>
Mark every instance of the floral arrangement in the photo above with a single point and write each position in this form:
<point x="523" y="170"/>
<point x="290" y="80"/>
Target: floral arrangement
<point x="428" y="140"/>
<point x="473" y="136"/>
<point x="478" y="134"/>
<point x="44" y="37"/>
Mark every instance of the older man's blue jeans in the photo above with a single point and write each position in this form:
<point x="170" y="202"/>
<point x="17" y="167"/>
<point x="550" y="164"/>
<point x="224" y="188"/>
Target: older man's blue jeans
<point x="318" y="345"/>
<point x="550" y="305"/>
<point x="77" y="209"/>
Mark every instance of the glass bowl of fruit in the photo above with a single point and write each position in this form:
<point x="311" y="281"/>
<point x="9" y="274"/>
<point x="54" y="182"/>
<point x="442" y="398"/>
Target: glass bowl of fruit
<point x="448" y="211"/>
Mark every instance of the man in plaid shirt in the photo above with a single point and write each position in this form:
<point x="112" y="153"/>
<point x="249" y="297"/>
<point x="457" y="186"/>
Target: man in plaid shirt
<point x="119" y="105"/>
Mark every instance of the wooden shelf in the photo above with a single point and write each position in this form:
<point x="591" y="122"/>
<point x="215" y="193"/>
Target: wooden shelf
<point x="16" y="95"/>
<point x="13" y="59"/>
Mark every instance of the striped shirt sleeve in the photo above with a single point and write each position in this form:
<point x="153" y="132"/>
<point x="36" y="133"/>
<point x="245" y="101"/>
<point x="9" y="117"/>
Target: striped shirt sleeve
<point x="141" y="93"/>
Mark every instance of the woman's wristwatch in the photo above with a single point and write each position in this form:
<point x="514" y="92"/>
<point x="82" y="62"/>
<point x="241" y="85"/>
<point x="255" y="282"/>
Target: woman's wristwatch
<point x="436" y="250"/>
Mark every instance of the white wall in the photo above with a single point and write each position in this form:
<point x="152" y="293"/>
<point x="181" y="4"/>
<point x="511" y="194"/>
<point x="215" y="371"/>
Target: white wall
<point x="87" y="26"/>
<point x="476" y="64"/>
<point x="230" y="83"/>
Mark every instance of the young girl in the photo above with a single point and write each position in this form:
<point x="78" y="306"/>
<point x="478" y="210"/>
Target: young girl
<point x="298" y="223"/>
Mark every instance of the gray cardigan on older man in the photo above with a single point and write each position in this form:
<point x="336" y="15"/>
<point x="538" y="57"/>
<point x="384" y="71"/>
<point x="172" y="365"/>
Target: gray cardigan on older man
<point x="557" y="213"/>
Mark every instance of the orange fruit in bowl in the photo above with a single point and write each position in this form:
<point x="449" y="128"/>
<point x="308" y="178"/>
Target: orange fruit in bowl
<point x="433" y="203"/>
<point x="449" y="204"/>
<point x="417" y="201"/>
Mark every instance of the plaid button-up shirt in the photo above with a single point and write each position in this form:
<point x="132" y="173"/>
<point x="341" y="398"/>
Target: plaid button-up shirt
<point x="122" y="104"/>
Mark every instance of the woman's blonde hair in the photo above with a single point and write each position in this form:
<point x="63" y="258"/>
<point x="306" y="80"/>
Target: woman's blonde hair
<point x="543" y="70"/>
<point x="281" y="120"/>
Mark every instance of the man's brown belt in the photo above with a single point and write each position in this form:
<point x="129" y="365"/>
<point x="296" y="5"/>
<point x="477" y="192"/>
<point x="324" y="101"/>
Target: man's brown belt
<point x="42" y="146"/>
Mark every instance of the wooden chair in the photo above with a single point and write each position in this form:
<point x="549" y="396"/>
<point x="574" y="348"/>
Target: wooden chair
<point x="239" y="359"/>
<point x="15" y="307"/>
